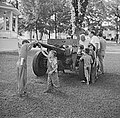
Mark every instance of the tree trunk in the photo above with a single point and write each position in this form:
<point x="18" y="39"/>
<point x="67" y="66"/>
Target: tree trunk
<point x="49" y="34"/>
<point x="30" y="35"/>
<point x="55" y="26"/>
<point x="36" y="31"/>
<point x="41" y="35"/>
<point x="17" y="4"/>
<point x="79" y="14"/>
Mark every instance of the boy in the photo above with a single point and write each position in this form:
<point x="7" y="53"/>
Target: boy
<point x="87" y="64"/>
<point x="80" y="50"/>
<point x="52" y="70"/>
<point x="22" y="66"/>
<point x="94" y="64"/>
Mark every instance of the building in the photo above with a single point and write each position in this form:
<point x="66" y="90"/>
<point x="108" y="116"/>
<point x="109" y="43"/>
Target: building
<point x="8" y="27"/>
<point x="109" y="34"/>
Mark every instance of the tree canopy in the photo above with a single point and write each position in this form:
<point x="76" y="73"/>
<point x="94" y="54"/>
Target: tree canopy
<point x="46" y="16"/>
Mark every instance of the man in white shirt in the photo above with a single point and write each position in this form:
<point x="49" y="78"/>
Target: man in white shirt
<point x="84" y="41"/>
<point x="95" y="41"/>
<point x="101" y="53"/>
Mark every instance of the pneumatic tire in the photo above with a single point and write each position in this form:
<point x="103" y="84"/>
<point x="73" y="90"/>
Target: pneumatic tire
<point x="39" y="64"/>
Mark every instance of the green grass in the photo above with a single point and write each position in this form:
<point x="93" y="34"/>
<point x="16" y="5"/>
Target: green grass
<point x="72" y="100"/>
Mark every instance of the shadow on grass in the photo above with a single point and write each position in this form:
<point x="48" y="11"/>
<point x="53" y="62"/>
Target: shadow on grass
<point x="59" y="93"/>
<point x="108" y="81"/>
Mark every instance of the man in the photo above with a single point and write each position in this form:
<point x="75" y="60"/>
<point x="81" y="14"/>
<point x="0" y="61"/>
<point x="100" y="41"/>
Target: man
<point x="22" y="66"/>
<point x="84" y="41"/>
<point x="95" y="41"/>
<point x="101" y="53"/>
<point x="74" y="55"/>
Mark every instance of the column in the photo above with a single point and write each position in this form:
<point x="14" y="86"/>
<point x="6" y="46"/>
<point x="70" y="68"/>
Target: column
<point x="5" y="22"/>
<point x="11" y="21"/>
<point x="16" y="24"/>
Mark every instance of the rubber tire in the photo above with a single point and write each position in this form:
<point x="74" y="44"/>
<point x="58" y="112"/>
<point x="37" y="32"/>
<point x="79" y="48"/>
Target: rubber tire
<point x="39" y="64"/>
<point x="81" y="71"/>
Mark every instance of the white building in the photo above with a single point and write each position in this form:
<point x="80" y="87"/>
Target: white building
<point x="8" y="27"/>
<point x="109" y="34"/>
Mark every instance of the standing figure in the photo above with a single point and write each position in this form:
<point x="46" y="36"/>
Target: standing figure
<point x="94" y="64"/>
<point x="52" y="70"/>
<point x="87" y="64"/>
<point x="95" y="41"/>
<point x="80" y="53"/>
<point x="101" y="53"/>
<point x="80" y="50"/>
<point x="22" y="66"/>
<point x="84" y="40"/>
<point x="74" y="55"/>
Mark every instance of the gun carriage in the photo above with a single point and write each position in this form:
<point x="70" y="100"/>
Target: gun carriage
<point x="64" y="56"/>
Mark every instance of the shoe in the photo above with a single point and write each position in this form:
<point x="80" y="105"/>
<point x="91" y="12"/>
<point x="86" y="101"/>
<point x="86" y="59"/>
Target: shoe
<point x="48" y="91"/>
<point x="83" y="81"/>
<point x="99" y="73"/>
<point x="88" y="83"/>
<point x="23" y="94"/>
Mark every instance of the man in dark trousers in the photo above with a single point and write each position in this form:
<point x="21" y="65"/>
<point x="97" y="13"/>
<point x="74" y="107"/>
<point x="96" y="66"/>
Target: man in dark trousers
<point x="22" y="66"/>
<point x="101" y="53"/>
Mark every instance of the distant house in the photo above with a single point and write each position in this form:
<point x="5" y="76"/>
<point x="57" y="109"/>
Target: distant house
<point x="109" y="32"/>
<point x="8" y="27"/>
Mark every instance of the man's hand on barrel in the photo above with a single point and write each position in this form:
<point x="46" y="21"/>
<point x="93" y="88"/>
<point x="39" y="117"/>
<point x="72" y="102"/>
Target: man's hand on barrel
<point x="37" y="44"/>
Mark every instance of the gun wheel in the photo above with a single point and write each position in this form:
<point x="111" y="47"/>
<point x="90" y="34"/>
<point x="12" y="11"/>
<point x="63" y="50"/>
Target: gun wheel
<point x="39" y="64"/>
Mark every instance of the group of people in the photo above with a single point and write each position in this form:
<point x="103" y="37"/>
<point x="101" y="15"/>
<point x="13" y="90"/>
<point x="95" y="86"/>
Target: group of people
<point x="92" y="51"/>
<point x="52" y="81"/>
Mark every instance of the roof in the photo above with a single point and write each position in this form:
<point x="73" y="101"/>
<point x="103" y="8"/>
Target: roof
<point x="8" y="6"/>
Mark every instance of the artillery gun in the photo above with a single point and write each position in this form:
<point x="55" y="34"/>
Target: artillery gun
<point x="64" y="56"/>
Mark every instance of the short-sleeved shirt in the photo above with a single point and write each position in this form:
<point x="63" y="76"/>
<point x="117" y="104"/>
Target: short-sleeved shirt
<point x="95" y="40"/>
<point x="51" y="64"/>
<point x="85" y="43"/>
<point x="92" y="54"/>
<point x="24" y="51"/>
<point x="102" y="45"/>
<point x="87" y="60"/>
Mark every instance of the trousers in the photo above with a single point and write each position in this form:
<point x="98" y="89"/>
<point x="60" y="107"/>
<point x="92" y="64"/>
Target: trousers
<point x="101" y="58"/>
<point x="22" y="75"/>
<point x="53" y="79"/>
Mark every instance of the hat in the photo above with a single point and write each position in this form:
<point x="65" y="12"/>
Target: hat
<point x="25" y="41"/>
<point x="90" y="44"/>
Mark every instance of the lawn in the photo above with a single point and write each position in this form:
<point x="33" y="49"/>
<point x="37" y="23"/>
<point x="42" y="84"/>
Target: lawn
<point x="72" y="100"/>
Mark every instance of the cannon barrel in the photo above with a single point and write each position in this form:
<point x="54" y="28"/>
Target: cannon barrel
<point x="39" y="64"/>
<point x="52" y="47"/>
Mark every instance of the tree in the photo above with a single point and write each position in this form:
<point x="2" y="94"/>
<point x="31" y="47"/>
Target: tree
<point x="38" y="15"/>
<point x="95" y="14"/>
<point x="80" y="7"/>
<point x="62" y="16"/>
<point x="78" y="11"/>
<point x="113" y="8"/>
